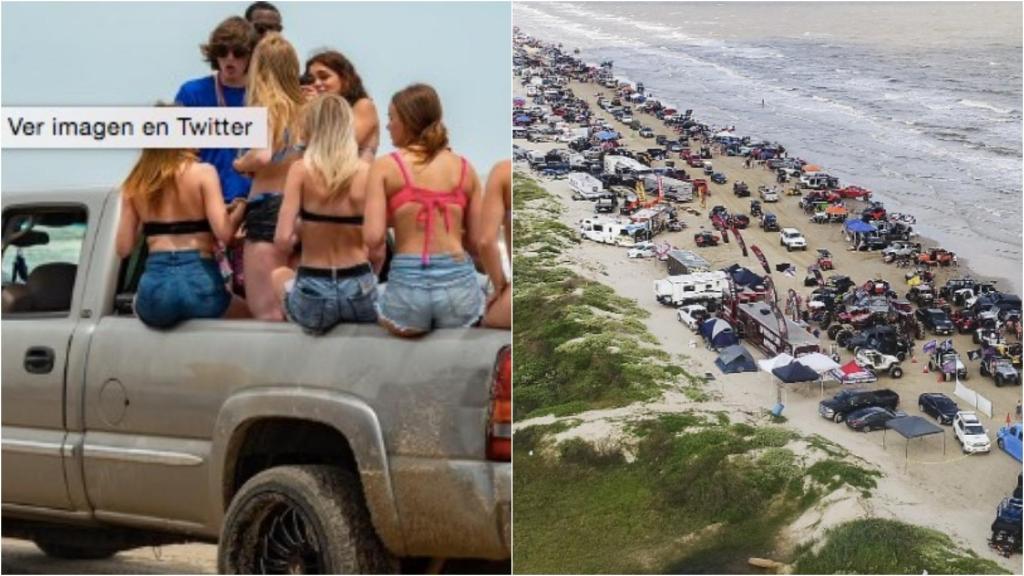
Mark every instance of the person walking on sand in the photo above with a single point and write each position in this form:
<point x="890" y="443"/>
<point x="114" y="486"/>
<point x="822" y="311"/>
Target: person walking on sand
<point x="428" y="194"/>
<point x="496" y="212"/>
<point x="326" y="191"/>
<point x="274" y="84"/>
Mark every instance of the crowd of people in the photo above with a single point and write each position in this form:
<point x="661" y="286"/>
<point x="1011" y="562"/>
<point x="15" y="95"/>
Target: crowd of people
<point x="316" y="229"/>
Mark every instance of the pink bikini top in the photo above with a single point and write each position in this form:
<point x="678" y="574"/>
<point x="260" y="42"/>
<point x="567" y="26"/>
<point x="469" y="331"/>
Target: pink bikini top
<point x="429" y="200"/>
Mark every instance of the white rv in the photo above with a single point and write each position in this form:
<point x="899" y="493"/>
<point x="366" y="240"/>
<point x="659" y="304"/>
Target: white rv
<point x="584" y="186"/>
<point x="612" y="231"/>
<point x="612" y="164"/>
<point x="691" y="288"/>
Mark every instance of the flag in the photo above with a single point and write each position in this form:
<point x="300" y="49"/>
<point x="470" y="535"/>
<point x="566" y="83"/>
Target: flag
<point x="974" y="354"/>
<point x="790" y="271"/>
<point x="760" y="257"/>
<point x="929" y="346"/>
<point x="739" y="239"/>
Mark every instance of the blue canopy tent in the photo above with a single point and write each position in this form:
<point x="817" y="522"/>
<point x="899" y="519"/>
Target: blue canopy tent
<point x="522" y="119"/>
<point x="735" y="359"/>
<point x="795" y="372"/>
<point x="718" y="333"/>
<point x="859" y="227"/>
<point x="606" y="135"/>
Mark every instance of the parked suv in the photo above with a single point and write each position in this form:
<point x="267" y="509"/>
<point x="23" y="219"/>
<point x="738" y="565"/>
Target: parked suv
<point x="935" y="320"/>
<point x="792" y="239"/>
<point x="837" y="407"/>
<point x="969" y="432"/>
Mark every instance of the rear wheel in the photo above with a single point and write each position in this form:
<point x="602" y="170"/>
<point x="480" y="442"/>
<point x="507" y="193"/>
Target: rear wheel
<point x="901" y="356"/>
<point x="838" y="417"/>
<point x="843" y="338"/>
<point x="301" y="520"/>
<point x="896" y="372"/>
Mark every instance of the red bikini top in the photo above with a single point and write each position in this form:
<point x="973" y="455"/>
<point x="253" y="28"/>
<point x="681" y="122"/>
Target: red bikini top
<point x="429" y="201"/>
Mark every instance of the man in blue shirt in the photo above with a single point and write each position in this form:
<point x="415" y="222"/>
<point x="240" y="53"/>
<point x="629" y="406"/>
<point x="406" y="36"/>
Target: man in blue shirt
<point x="230" y="45"/>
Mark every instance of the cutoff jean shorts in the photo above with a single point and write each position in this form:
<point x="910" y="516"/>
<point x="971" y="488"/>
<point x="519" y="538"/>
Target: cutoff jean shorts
<point x="318" y="303"/>
<point x="442" y="294"/>
<point x="177" y="286"/>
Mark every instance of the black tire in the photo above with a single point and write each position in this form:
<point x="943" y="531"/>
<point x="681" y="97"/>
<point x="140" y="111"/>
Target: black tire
<point x="319" y="516"/>
<point x="833" y="330"/>
<point x="838" y="417"/>
<point x="896" y="372"/>
<point x="999" y="442"/>
<point x="983" y="371"/>
<point x="843" y="338"/>
<point x="825" y="321"/>
<point x="68" y="549"/>
<point x="901" y="356"/>
<point x="999" y="381"/>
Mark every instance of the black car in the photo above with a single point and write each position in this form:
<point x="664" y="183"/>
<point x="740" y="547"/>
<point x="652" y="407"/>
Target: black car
<point x="868" y="419"/>
<point x="769" y="223"/>
<point x="718" y="178"/>
<point x="847" y="401"/>
<point x="938" y="406"/>
<point x="935" y="320"/>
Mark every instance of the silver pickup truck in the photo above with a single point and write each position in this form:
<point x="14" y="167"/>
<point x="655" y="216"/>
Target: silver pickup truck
<point x="340" y="454"/>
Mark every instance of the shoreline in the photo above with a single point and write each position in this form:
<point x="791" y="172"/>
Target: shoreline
<point x="945" y="491"/>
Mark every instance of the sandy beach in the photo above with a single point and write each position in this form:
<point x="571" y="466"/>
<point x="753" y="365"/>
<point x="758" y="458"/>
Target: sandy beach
<point x="949" y="491"/>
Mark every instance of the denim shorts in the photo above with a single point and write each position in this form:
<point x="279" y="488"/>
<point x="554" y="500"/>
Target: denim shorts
<point x="177" y="286"/>
<point x="318" y="303"/>
<point x="261" y="217"/>
<point x="442" y="294"/>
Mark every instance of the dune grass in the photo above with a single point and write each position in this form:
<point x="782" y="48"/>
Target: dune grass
<point x="701" y="496"/>
<point x="579" y="346"/>
<point x="879" y="546"/>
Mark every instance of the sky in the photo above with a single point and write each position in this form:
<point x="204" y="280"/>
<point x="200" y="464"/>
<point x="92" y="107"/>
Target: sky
<point x="137" y="53"/>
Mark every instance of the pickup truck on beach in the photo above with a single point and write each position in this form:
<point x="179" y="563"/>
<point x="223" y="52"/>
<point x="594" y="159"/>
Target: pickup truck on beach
<point x="339" y="454"/>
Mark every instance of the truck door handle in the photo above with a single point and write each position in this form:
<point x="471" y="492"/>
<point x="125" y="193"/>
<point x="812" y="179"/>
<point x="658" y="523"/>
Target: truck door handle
<point x="39" y="360"/>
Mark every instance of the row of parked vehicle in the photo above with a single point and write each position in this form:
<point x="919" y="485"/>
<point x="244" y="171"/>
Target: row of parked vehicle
<point x="867" y="410"/>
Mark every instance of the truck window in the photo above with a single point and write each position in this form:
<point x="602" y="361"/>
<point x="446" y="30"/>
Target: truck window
<point x="41" y="252"/>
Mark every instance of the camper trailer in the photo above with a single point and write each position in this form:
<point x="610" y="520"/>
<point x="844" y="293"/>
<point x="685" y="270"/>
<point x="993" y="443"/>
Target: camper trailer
<point x="611" y="231"/>
<point x="681" y="262"/>
<point x="617" y="164"/>
<point x="584" y="186"/>
<point x="759" y="326"/>
<point x="706" y="287"/>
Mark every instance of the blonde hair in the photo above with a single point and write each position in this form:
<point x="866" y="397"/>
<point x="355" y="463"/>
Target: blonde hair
<point x="332" y="154"/>
<point x="419" y="109"/>
<point x="274" y="84"/>
<point x="154" y="171"/>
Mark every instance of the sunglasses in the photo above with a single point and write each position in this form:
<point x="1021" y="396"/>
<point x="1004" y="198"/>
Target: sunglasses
<point x="264" y="28"/>
<point x="223" y="51"/>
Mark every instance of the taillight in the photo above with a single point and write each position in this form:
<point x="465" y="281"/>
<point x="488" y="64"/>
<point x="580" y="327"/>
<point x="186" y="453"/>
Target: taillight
<point x="499" y="425"/>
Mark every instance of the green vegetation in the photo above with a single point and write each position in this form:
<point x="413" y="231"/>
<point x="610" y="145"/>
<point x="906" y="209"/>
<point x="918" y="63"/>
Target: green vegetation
<point x="835" y="473"/>
<point x="702" y="495"/>
<point x="877" y="546"/>
<point x="579" y="346"/>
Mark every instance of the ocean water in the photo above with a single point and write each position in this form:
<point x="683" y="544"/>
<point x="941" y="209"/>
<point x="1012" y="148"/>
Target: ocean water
<point x="919" y="102"/>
